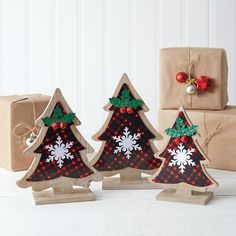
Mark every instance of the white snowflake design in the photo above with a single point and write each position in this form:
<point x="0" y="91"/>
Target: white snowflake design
<point x="59" y="152"/>
<point x="181" y="157"/>
<point x="127" y="143"/>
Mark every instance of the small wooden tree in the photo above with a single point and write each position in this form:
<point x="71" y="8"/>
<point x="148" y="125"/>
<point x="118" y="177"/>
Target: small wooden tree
<point x="183" y="166"/>
<point x="127" y="137"/>
<point x="60" y="157"/>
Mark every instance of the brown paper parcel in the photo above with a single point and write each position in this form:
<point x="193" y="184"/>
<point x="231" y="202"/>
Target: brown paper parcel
<point x="210" y="62"/>
<point x="15" y="110"/>
<point x="217" y="134"/>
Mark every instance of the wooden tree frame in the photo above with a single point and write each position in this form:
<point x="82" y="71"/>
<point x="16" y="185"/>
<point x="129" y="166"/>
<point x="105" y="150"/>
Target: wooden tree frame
<point x="62" y="186"/>
<point x="184" y="192"/>
<point x="130" y="178"/>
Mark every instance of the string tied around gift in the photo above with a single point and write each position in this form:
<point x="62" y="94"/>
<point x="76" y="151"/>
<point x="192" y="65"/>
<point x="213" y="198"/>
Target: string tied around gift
<point x="31" y="132"/>
<point x="182" y="97"/>
<point x="194" y="84"/>
<point x="211" y="135"/>
<point x="190" y="81"/>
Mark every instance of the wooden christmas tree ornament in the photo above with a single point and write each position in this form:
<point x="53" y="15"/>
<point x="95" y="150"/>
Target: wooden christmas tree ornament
<point x="182" y="173"/>
<point x="60" y="158"/>
<point x="127" y="136"/>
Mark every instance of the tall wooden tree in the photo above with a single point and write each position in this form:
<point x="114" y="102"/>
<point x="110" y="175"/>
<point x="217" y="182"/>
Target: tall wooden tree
<point x="183" y="165"/>
<point x="127" y="137"/>
<point x="60" y="157"/>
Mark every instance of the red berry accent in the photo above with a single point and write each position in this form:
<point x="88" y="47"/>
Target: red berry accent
<point x="202" y="83"/>
<point x="130" y="110"/>
<point x="123" y="110"/>
<point x="181" y="77"/>
<point x="177" y="141"/>
<point x="55" y="125"/>
<point x="184" y="139"/>
<point x="62" y="125"/>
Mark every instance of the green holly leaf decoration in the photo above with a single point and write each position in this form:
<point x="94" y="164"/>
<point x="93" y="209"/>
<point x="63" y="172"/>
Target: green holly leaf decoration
<point x="181" y="130"/>
<point x="135" y="103"/>
<point x="174" y="132"/>
<point x="125" y="100"/>
<point x="58" y="116"/>
<point x="115" y="102"/>
<point x="57" y="112"/>
<point x="190" y="130"/>
<point x="125" y="95"/>
<point x="180" y="123"/>
<point x="47" y="121"/>
<point x="68" y="118"/>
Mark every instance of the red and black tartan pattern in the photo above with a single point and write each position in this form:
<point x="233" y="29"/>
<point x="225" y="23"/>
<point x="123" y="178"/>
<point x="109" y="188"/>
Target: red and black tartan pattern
<point x="143" y="159"/>
<point x="193" y="175"/>
<point x="73" y="168"/>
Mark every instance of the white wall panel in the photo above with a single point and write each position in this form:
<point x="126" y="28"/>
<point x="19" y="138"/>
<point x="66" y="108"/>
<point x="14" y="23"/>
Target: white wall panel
<point x="2" y="46"/>
<point x="225" y="36"/>
<point x="197" y="23"/>
<point x="119" y="36"/>
<point x="40" y="49"/>
<point x="84" y="46"/>
<point x="145" y="47"/>
<point x="172" y="22"/>
<point x="94" y="76"/>
<point x="15" y="12"/>
<point x="65" y="46"/>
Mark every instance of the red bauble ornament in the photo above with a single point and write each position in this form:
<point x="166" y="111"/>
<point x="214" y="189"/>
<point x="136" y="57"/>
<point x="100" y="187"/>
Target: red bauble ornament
<point x="123" y="110"/>
<point x="202" y="83"/>
<point x="184" y="139"/>
<point x="62" y="125"/>
<point x="130" y="110"/>
<point x="177" y="141"/>
<point x="181" y="77"/>
<point x="55" y="125"/>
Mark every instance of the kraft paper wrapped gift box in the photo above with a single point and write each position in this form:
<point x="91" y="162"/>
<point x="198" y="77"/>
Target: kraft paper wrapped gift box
<point x="217" y="134"/>
<point x="210" y="62"/>
<point x="16" y="110"/>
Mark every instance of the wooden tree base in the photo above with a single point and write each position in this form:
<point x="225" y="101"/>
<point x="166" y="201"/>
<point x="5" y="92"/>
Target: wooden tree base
<point x="171" y="195"/>
<point x="77" y="195"/>
<point x="115" y="183"/>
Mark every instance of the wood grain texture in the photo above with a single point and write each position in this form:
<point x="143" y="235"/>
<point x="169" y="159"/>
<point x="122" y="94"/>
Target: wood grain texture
<point x="62" y="186"/>
<point x="116" y="183"/>
<point x="172" y="195"/>
<point x="128" y="175"/>
<point x="185" y="186"/>
<point x="77" y="195"/>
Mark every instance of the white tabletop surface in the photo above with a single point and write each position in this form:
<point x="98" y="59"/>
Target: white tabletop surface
<point x="125" y="213"/>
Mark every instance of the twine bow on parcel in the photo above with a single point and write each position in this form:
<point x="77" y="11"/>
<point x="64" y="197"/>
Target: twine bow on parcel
<point x="29" y="130"/>
<point x="193" y="85"/>
<point x="210" y="136"/>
